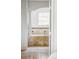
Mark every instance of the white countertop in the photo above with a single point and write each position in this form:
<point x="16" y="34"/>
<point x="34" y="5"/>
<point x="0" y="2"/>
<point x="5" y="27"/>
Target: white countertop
<point x="38" y="49"/>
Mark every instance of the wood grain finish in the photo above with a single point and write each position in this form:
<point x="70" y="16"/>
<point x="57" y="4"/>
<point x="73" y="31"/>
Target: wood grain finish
<point x="38" y="41"/>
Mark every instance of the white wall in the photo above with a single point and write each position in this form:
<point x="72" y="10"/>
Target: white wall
<point x="53" y="26"/>
<point x="23" y="24"/>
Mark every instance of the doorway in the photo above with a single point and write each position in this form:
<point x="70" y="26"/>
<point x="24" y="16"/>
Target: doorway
<point x="38" y="29"/>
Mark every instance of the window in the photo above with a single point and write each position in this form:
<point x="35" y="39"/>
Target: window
<point x="43" y="18"/>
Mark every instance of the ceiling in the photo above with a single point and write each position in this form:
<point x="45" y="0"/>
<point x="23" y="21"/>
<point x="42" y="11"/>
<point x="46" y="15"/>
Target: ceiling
<point x="38" y="0"/>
